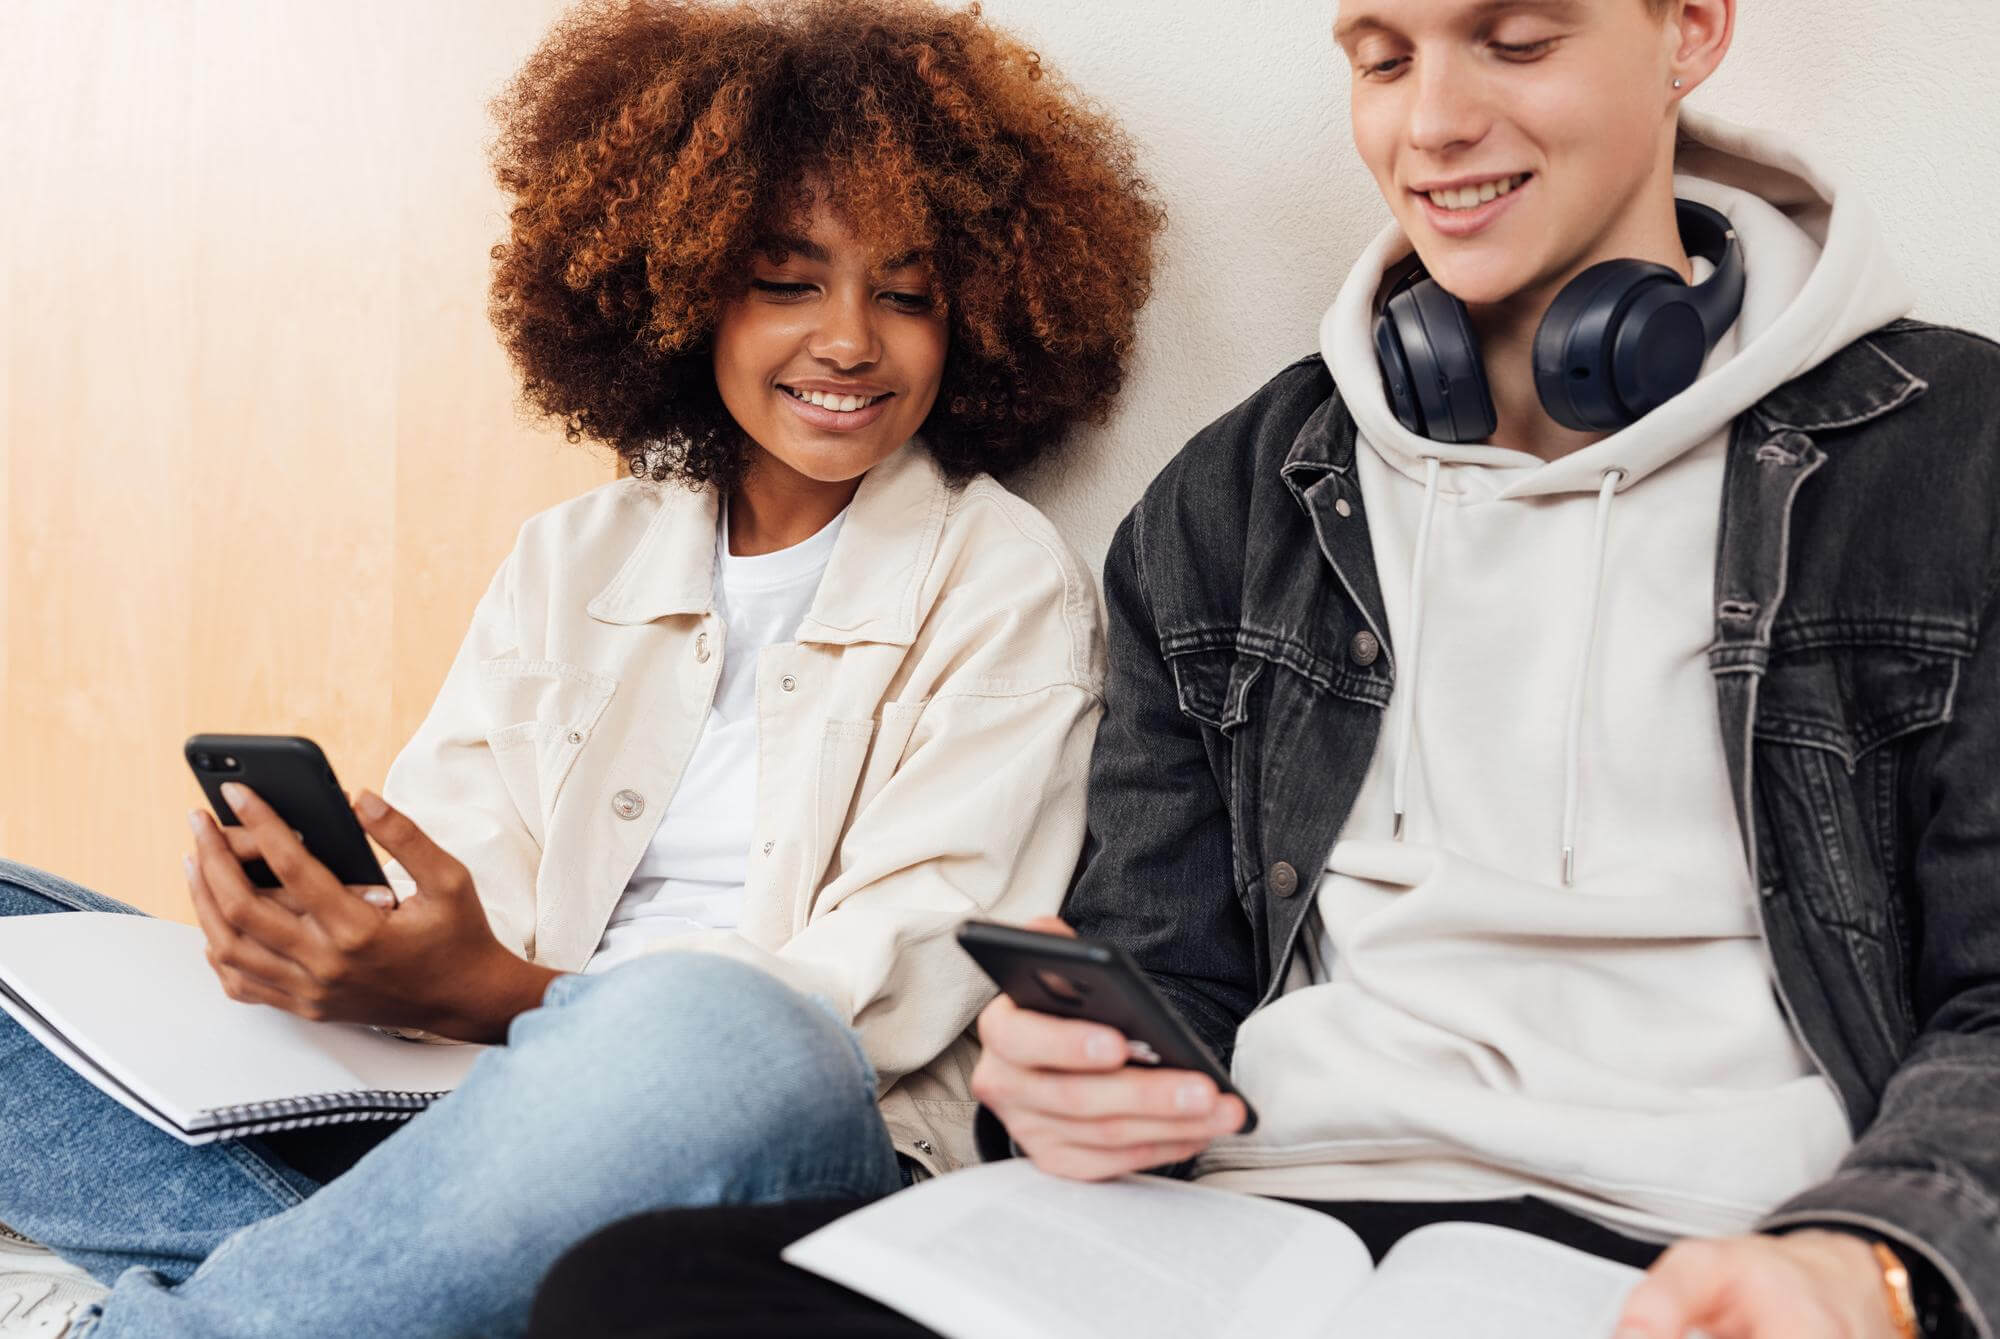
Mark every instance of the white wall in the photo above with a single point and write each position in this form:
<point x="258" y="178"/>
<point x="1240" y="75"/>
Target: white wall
<point x="1241" y="110"/>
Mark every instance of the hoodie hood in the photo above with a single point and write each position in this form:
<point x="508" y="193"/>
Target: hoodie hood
<point x="1818" y="274"/>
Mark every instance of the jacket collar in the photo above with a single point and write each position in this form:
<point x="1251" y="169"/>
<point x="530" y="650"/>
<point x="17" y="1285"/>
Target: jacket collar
<point x="1858" y="383"/>
<point x="874" y="578"/>
<point x="1324" y="445"/>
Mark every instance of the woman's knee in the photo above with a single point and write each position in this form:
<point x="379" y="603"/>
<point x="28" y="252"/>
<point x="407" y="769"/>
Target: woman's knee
<point x="694" y="1033"/>
<point x="27" y="891"/>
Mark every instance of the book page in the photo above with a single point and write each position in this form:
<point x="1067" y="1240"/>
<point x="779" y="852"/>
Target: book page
<point x="1454" y="1279"/>
<point x="137" y="997"/>
<point x="1008" y="1252"/>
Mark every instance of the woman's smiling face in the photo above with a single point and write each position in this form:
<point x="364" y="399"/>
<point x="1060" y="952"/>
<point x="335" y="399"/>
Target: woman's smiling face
<point x="832" y="357"/>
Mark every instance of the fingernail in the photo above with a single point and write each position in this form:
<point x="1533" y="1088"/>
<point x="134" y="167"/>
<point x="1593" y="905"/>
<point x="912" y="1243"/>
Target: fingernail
<point x="187" y="867"/>
<point x="194" y="821"/>
<point x="1100" y="1049"/>
<point x="1193" y="1097"/>
<point x="379" y="897"/>
<point x="235" y="795"/>
<point x="371" y="804"/>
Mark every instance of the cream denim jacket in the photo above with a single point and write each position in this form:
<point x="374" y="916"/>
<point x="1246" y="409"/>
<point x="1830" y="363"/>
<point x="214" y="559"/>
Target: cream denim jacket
<point x="922" y="751"/>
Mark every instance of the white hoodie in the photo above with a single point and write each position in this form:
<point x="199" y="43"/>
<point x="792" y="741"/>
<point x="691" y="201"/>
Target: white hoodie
<point x="1468" y="1025"/>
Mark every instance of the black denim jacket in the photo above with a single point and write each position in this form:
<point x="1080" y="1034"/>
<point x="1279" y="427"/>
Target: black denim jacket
<point x="1857" y="666"/>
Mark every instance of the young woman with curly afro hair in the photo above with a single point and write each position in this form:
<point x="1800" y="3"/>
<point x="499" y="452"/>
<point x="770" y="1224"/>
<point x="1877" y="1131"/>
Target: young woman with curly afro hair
<point x="736" y="741"/>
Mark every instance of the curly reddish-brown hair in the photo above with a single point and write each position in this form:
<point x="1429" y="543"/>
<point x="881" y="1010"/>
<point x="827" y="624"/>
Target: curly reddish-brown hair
<point x="650" y="146"/>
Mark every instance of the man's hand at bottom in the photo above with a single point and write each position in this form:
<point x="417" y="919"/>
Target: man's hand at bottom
<point x="1810" y="1284"/>
<point x="1065" y="1093"/>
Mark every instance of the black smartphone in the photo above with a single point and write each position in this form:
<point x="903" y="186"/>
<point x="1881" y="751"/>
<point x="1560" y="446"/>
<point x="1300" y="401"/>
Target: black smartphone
<point x="292" y="776"/>
<point x="1075" y="978"/>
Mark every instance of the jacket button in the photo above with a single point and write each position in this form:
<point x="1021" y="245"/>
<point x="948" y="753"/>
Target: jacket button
<point x="628" y="804"/>
<point x="788" y="683"/>
<point x="1284" y="879"/>
<point x="576" y="736"/>
<point x="701" y="648"/>
<point x="1364" y="649"/>
<point x="1341" y="507"/>
<point x="925" y="1146"/>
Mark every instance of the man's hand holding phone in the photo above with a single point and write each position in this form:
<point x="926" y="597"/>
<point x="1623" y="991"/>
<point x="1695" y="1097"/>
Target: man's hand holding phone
<point x="1070" y="1100"/>
<point x="320" y="949"/>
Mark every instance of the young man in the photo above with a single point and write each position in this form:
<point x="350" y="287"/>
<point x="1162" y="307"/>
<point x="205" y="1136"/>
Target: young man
<point x="1586" y="815"/>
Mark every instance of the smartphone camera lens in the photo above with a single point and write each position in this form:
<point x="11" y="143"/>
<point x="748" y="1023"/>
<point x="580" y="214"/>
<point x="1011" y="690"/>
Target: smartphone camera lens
<point x="205" y="761"/>
<point x="228" y="764"/>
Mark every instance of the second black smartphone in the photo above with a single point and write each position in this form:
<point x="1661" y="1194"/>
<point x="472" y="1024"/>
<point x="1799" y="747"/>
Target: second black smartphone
<point x="292" y="776"/>
<point x="1075" y="978"/>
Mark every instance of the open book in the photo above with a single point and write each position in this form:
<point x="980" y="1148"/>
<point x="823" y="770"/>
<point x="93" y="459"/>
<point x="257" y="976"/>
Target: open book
<point x="1007" y="1252"/>
<point x="131" y="1004"/>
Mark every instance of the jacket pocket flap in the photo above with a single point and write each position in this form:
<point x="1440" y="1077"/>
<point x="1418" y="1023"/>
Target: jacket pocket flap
<point x="1849" y="699"/>
<point x="549" y="693"/>
<point x="1213" y="685"/>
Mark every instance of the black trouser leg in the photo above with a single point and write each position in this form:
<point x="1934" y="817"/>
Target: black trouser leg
<point x="708" y="1273"/>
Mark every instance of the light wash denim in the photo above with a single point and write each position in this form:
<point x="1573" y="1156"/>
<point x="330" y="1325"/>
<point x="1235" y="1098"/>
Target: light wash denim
<point x="677" y="1079"/>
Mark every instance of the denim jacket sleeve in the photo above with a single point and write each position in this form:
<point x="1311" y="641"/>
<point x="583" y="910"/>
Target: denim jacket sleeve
<point x="1926" y="1171"/>
<point x="1157" y="877"/>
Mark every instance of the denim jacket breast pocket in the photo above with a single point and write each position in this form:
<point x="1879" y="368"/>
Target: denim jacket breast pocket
<point x="539" y="715"/>
<point x="1836" y="716"/>
<point x="1213" y="685"/>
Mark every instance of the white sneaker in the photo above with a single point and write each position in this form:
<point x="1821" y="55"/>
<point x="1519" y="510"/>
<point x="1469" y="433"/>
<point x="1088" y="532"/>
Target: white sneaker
<point x="40" y="1292"/>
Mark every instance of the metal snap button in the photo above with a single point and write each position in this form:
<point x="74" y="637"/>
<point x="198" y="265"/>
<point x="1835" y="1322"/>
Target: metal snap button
<point x="576" y="736"/>
<point x="1284" y="879"/>
<point x="788" y="683"/>
<point x="701" y="647"/>
<point x="1340" y="507"/>
<point x="768" y="846"/>
<point x="628" y="804"/>
<point x="1364" y="649"/>
<point x="925" y="1146"/>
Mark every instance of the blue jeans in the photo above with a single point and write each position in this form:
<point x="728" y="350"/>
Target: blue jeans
<point x="678" y="1079"/>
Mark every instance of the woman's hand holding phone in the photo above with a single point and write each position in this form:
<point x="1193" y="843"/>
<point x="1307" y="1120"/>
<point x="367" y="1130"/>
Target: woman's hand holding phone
<point x="320" y="949"/>
<point x="1063" y="1089"/>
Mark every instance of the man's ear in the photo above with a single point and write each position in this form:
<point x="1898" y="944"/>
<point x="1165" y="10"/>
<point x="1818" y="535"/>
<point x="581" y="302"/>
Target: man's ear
<point x="1699" y="33"/>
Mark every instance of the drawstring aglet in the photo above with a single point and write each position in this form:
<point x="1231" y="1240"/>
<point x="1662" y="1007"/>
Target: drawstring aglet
<point x="1397" y="834"/>
<point x="1569" y="865"/>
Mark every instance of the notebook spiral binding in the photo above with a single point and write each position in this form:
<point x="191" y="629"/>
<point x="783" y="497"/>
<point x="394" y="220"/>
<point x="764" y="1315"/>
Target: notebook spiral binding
<point x="294" y="1113"/>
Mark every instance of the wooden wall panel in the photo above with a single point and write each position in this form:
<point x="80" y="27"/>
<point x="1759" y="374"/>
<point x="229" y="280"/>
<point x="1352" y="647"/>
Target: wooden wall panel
<point x="258" y="448"/>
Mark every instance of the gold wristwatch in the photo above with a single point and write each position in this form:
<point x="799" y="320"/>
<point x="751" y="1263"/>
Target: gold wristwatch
<point x="1896" y="1283"/>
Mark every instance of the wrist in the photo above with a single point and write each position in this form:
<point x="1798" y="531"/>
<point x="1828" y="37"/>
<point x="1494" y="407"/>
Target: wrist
<point x="495" y="995"/>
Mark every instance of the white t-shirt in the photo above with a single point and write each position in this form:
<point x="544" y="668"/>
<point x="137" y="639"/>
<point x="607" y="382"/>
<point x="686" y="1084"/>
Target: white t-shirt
<point x="692" y="874"/>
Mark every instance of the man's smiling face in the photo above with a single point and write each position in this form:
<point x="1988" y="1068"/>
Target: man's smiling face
<point x="1516" y="141"/>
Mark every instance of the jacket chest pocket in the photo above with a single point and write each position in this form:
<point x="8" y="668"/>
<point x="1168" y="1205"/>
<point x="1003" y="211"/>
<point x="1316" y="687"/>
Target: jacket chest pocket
<point x="1832" y="724"/>
<point x="1849" y="700"/>
<point x="539" y="715"/>
<point x="1212" y="685"/>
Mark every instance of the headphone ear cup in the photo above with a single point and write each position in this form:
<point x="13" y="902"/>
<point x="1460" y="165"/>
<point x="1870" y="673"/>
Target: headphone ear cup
<point x="1396" y="377"/>
<point x="1431" y="332"/>
<point x="1658" y="349"/>
<point x="1574" y="345"/>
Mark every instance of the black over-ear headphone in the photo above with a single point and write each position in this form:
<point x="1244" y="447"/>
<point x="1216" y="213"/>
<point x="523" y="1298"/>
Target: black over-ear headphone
<point x="1620" y="339"/>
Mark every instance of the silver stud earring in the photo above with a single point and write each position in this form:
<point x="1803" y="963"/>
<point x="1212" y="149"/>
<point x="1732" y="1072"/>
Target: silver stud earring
<point x="1677" y="83"/>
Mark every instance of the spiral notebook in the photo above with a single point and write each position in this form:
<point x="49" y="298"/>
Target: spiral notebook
<point x="131" y="1004"/>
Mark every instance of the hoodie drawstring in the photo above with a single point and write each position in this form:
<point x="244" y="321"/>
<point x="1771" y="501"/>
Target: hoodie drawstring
<point x="1573" y="732"/>
<point x="1408" y="670"/>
